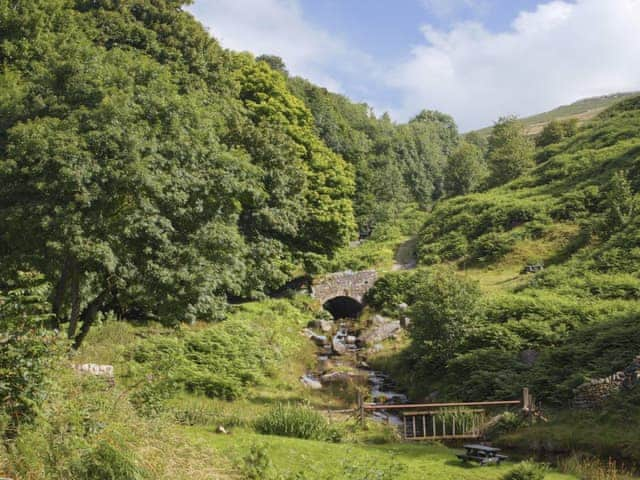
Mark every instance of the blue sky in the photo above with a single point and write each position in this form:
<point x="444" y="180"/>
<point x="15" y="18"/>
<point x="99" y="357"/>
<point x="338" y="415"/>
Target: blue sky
<point x="474" y="59"/>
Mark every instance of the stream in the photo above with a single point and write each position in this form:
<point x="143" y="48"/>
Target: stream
<point x="341" y="357"/>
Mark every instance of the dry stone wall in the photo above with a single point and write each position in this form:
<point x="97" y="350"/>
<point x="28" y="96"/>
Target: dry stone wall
<point x="595" y="391"/>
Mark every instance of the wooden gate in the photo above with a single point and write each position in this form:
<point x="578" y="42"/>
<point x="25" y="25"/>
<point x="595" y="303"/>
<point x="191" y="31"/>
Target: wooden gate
<point x="443" y="421"/>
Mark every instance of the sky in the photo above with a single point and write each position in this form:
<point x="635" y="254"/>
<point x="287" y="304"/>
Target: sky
<point x="477" y="60"/>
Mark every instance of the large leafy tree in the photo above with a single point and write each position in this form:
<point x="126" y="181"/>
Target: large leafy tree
<point x="510" y="151"/>
<point x="146" y="170"/>
<point x="465" y="170"/>
<point x="446" y="306"/>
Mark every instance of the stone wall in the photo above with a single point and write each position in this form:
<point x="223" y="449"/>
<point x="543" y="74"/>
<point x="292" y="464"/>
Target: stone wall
<point x="595" y="391"/>
<point x="344" y="284"/>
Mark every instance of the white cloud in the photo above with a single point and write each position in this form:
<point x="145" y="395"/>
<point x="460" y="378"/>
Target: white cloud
<point x="556" y="54"/>
<point x="278" y="27"/>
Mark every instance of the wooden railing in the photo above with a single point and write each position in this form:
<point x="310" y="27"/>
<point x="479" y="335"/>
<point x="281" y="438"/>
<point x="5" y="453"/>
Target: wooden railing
<point x="450" y="420"/>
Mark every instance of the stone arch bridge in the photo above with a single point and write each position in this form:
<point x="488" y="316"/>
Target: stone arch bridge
<point x="342" y="293"/>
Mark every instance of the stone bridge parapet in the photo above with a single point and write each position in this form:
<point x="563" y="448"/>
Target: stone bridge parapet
<point x="344" y="284"/>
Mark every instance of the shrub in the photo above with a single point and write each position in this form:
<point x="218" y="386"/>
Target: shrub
<point x="527" y="470"/>
<point x="507" y="422"/>
<point x="107" y="462"/>
<point x="492" y="246"/>
<point x="27" y="350"/>
<point x="297" y="421"/>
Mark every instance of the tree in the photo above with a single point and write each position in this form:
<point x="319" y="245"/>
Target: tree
<point x="621" y="203"/>
<point x="276" y="63"/>
<point x="146" y="170"/>
<point x="465" y="170"/>
<point x="556" y="131"/>
<point x="446" y="305"/>
<point x="510" y="151"/>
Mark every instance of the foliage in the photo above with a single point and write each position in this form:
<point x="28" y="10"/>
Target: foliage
<point x="108" y="462"/>
<point x="465" y="170"/>
<point x="395" y="164"/>
<point x="510" y="152"/>
<point x="620" y="202"/>
<point x="556" y="131"/>
<point x="220" y="361"/>
<point x="527" y="470"/>
<point x="576" y="214"/>
<point x="297" y="421"/>
<point x="445" y="306"/>
<point x="27" y="349"/>
<point x="147" y="171"/>
<point x="507" y="422"/>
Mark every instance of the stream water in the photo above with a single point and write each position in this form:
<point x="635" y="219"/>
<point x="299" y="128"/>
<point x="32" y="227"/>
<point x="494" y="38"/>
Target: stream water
<point x="344" y="350"/>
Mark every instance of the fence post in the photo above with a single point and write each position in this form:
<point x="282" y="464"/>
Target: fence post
<point x="526" y="406"/>
<point x="361" y="408"/>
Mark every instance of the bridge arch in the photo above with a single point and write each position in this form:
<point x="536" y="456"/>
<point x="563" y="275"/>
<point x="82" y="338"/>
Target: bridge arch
<point x="343" y="307"/>
<point x="343" y="293"/>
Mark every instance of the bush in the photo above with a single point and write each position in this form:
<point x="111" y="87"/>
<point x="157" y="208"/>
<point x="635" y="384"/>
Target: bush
<point x="27" y="350"/>
<point x="507" y="422"/>
<point x="492" y="246"/>
<point x="107" y="462"/>
<point x="297" y="421"/>
<point x="527" y="470"/>
<point x="221" y="360"/>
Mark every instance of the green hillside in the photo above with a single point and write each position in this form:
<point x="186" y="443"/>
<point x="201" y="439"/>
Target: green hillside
<point x="582" y="110"/>
<point x="576" y="213"/>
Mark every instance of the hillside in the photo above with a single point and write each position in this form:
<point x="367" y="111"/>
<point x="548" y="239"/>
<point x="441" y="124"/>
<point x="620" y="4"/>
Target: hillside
<point x="582" y="110"/>
<point x="552" y="330"/>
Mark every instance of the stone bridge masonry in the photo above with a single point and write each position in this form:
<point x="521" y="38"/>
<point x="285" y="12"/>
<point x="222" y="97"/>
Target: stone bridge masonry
<point x="344" y="284"/>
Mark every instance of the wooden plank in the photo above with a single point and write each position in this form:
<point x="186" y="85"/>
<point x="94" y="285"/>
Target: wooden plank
<point x="444" y="437"/>
<point x="371" y="406"/>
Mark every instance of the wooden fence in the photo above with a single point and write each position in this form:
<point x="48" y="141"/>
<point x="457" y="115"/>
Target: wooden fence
<point x="451" y="420"/>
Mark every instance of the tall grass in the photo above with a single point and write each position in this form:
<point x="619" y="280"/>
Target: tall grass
<point x="593" y="468"/>
<point x="299" y="421"/>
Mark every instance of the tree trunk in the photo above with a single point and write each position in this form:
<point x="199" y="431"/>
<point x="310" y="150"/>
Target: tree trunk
<point x="75" y="302"/>
<point x="58" y="295"/>
<point x="88" y="317"/>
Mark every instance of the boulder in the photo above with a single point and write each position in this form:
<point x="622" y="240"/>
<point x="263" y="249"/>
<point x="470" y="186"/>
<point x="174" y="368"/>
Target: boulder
<point x="339" y="347"/>
<point x="310" y="382"/>
<point x="95" y="369"/>
<point x="319" y="340"/>
<point x="336" y="377"/>
<point x="325" y="325"/>
<point x="380" y="332"/>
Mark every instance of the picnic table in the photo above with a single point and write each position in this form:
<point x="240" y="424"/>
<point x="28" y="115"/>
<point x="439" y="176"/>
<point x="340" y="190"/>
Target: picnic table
<point x="482" y="454"/>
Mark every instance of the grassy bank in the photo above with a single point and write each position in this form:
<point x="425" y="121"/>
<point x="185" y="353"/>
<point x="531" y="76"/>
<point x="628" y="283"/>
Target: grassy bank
<point x="322" y="460"/>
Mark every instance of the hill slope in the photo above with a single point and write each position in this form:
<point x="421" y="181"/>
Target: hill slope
<point x="583" y="110"/>
<point x="575" y="213"/>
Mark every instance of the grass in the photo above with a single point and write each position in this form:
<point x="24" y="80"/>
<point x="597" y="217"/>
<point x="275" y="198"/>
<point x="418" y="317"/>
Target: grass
<point x="583" y="110"/>
<point x="322" y="460"/>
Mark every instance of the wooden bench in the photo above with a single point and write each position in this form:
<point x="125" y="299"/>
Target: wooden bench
<point x="482" y="454"/>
